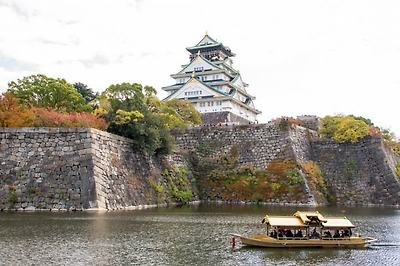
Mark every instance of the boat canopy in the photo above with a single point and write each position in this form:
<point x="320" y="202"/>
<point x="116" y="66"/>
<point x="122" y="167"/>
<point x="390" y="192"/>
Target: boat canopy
<point x="283" y="221"/>
<point x="307" y="219"/>
<point x="338" y="223"/>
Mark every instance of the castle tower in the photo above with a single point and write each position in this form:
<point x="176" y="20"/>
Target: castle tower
<point x="213" y="86"/>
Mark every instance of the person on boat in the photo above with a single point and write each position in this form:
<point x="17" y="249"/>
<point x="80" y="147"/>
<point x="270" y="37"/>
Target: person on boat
<point x="346" y="233"/>
<point x="336" y="235"/>
<point x="280" y="234"/>
<point x="315" y="234"/>
<point x="289" y="233"/>
<point x="328" y="234"/>
<point x="299" y="233"/>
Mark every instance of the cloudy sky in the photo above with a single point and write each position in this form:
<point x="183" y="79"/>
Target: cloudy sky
<point x="299" y="57"/>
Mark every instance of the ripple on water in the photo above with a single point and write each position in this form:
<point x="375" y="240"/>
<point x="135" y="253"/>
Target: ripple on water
<point x="180" y="236"/>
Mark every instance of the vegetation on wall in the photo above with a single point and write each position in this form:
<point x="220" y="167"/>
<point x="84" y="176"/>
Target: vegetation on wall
<point x="398" y="169"/>
<point x="389" y="138"/>
<point x="285" y="122"/>
<point x="174" y="185"/>
<point x="221" y="177"/>
<point x="316" y="181"/>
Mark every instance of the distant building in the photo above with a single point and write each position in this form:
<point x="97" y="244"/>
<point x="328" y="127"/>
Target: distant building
<point x="213" y="86"/>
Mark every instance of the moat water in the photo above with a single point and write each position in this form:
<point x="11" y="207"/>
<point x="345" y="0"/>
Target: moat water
<point x="190" y="235"/>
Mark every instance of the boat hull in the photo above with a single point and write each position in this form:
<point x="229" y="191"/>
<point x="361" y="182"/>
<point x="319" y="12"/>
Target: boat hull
<point x="269" y="242"/>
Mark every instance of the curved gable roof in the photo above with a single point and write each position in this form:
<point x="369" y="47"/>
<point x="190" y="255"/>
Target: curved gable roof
<point x="196" y="60"/>
<point x="202" y="84"/>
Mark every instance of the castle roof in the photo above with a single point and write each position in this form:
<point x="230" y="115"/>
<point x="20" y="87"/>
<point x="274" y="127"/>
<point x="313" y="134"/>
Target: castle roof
<point x="198" y="60"/>
<point x="199" y="82"/>
<point x="209" y="43"/>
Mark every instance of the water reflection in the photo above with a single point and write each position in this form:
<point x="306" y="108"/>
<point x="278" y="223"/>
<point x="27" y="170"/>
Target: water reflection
<point x="180" y="236"/>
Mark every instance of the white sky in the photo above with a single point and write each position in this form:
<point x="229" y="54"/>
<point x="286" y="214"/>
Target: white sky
<point x="299" y="57"/>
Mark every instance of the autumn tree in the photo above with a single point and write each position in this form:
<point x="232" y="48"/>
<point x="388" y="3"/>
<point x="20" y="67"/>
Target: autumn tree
<point x="12" y="114"/>
<point x="344" y="128"/>
<point x="42" y="91"/>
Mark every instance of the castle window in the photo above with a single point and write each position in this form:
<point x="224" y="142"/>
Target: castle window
<point x="197" y="69"/>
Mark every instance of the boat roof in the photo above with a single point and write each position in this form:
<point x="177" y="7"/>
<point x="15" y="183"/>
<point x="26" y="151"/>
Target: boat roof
<point x="283" y="221"/>
<point x="338" y="223"/>
<point x="306" y="219"/>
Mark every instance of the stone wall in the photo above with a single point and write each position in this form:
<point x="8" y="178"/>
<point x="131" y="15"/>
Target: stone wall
<point x="257" y="144"/>
<point x="223" y="118"/>
<point x="69" y="169"/>
<point x="355" y="174"/>
<point x="46" y="169"/>
<point x="358" y="174"/>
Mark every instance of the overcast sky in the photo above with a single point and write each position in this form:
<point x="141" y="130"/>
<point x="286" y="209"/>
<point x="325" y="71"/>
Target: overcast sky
<point x="299" y="57"/>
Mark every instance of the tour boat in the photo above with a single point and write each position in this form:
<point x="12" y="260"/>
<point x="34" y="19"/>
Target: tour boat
<point x="306" y="229"/>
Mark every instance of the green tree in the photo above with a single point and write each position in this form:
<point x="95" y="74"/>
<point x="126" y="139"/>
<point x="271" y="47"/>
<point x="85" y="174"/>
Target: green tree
<point x="183" y="110"/>
<point x="41" y="91"/>
<point x="131" y="115"/>
<point x="329" y="125"/>
<point x="87" y="93"/>
<point x="134" y="111"/>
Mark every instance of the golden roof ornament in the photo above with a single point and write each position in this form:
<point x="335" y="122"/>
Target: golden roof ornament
<point x="198" y="53"/>
<point x="193" y="74"/>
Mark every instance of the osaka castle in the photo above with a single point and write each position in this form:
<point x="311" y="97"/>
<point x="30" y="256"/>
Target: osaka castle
<point x="211" y="83"/>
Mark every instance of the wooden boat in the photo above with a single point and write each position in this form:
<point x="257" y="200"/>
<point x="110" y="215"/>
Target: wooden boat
<point x="311" y="229"/>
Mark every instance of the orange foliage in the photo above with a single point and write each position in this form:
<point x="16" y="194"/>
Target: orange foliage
<point x="375" y="132"/>
<point x="51" y="118"/>
<point x="280" y="167"/>
<point x="13" y="114"/>
<point x="290" y="121"/>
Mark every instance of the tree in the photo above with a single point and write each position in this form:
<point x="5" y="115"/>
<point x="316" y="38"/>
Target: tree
<point x="183" y="111"/>
<point x="350" y="129"/>
<point x="86" y="92"/>
<point x="135" y="112"/>
<point x="329" y="125"/>
<point x="41" y="91"/>
<point x="13" y="114"/>
<point x="131" y="115"/>
<point x="344" y="128"/>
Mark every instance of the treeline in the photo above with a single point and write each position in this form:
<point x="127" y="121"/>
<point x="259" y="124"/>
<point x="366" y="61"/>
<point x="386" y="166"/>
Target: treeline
<point x="126" y="109"/>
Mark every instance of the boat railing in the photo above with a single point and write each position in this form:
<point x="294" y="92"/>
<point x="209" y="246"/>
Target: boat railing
<point x="291" y="238"/>
<point x="307" y="238"/>
<point x="335" y="238"/>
